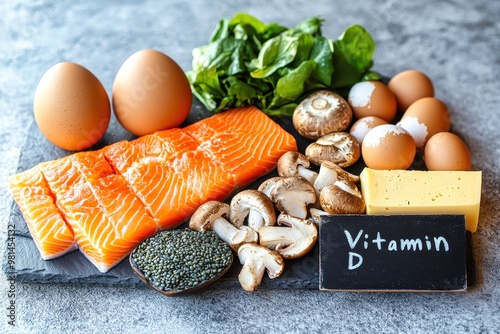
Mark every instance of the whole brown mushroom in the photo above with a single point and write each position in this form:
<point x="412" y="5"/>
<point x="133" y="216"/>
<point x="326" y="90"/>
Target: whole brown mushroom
<point x="342" y="197"/>
<point x="338" y="147"/>
<point x="320" y="113"/>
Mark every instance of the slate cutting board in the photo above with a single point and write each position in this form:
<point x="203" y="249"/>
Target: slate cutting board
<point x="75" y="268"/>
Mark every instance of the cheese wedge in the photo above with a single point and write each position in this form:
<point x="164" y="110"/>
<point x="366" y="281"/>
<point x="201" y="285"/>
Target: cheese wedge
<point x="423" y="192"/>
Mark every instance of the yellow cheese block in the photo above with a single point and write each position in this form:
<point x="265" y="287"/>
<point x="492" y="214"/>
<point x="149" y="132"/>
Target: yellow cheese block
<point x="408" y="192"/>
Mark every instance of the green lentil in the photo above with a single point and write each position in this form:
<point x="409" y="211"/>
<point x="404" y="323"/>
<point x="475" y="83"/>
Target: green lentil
<point x="181" y="259"/>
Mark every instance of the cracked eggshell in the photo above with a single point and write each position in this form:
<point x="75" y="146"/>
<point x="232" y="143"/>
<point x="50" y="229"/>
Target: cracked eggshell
<point x="361" y="127"/>
<point x="424" y="118"/>
<point x="372" y="98"/>
<point x="388" y="146"/>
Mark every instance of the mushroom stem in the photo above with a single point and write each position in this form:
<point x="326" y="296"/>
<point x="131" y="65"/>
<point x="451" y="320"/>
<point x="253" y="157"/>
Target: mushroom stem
<point x="307" y="174"/>
<point x="326" y="177"/>
<point x="294" y="163"/>
<point x="212" y="215"/>
<point x="347" y="187"/>
<point x="319" y="103"/>
<point x="254" y="206"/>
<point x="225" y="230"/>
<point x="278" y="237"/>
<point x="255" y="220"/>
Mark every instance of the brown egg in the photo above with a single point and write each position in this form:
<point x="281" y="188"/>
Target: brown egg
<point x="424" y="118"/>
<point x="71" y="107"/>
<point x="361" y="127"/>
<point x="388" y="146"/>
<point x="151" y="93"/>
<point x="446" y="151"/>
<point x="410" y="86"/>
<point x="372" y="98"/>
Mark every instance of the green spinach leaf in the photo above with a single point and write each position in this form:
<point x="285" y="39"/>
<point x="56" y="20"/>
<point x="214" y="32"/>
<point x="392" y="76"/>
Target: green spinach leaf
<point x="249" y="62"/>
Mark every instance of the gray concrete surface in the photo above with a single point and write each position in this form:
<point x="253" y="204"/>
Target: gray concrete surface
<point x="455" y="42"/>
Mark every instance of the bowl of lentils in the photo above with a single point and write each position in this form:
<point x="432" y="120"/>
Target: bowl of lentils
<point x="180" y="261"/>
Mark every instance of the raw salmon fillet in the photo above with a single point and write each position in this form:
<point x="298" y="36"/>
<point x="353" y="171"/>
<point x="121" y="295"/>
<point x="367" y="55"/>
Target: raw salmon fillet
<point x="52" y="236"/>
<point x="113" y="198"/>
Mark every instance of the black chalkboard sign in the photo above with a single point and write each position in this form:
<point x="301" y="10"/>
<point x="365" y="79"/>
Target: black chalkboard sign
<point x="393" y="253"/>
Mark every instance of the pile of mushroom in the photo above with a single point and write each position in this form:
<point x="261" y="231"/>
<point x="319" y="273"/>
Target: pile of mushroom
<point x="265" y="240"/>
<point x="324" y="117"/>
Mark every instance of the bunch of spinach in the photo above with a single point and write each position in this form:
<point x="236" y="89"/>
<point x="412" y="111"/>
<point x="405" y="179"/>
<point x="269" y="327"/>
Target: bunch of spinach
<point x="273" y="67"/>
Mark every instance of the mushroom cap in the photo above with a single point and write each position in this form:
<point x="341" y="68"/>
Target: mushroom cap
<point x="253" y="204"/>
<point x="207" y="213"/>
<point x="256" y="260"/>
<point x="292" y="195"/>
<point x="289" y="162"/>
<point x="338" y="147"/>
<point x="293" y="241"/>
<point x="268" y="185"/>
<point x="342" y="197"/>
<point x="320" y="113"/>
<point x="294" y="163"/>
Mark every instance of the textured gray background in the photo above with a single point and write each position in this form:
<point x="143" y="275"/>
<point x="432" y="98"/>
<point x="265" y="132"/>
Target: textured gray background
<point x="455" y="42"/>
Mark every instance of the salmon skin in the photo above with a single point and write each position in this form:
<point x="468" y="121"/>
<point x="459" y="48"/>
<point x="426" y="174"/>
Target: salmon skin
<point x="106" y="202"/>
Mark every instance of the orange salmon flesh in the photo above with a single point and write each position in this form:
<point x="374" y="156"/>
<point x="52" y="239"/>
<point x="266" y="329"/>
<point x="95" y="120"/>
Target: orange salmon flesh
<point x="106" y="202"/>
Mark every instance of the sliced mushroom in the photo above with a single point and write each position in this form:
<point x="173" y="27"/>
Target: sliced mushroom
<point x="254" y="206"/>
<point x="338" y="147"/>
<point x="343" y="197"/>
<point x="316" y="215"/>
<point x="292" y="195"/>
<point x="320" y="113"/>
<point x="293" y="241"/>
<point x="268" y="185"/>
<point x="295" y="164"/>
<point x="213" y="215"/>
<point x="256" y="260"/>
<point x="329" y="172"/>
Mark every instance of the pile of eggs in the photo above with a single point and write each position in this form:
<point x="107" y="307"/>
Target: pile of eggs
<point x="73" y="110"/>
<point x="423" y="127"/>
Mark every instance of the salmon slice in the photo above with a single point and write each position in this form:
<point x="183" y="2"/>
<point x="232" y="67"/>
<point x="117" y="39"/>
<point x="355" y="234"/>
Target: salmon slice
<point x="162" y="192"/>
<point x="245" y="141"/>
<point x="50" y="233"/>
<point x="122" y="155"/>
<point x="173" y="190"/>
<point x="165" y="145"/>
<point x="107" y="219"/>
<point x="204" y="177"/>
<point x="63" y="173"/>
